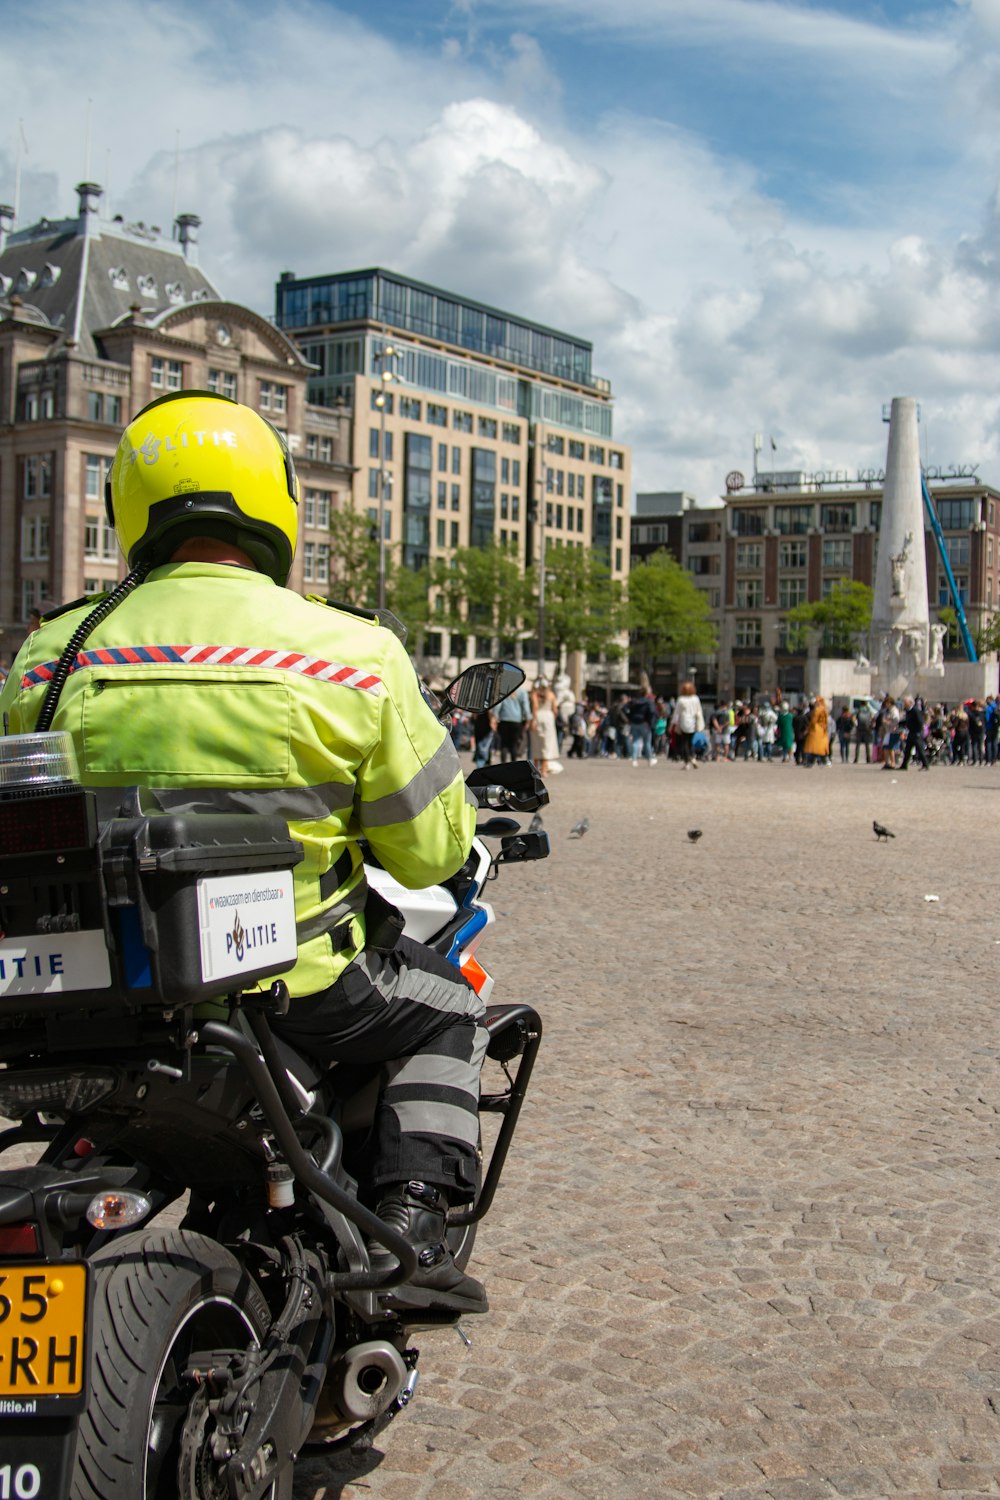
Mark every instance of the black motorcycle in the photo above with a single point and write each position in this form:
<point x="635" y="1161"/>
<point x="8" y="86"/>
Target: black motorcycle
<point x="196" y="1353"/>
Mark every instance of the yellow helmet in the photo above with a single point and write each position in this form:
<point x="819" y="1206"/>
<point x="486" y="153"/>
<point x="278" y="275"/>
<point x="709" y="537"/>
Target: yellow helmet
<point x="194" y="463"/>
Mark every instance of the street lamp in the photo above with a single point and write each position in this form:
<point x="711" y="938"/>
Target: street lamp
<point x="542" y="477"/>
<point x="386" y="376"/>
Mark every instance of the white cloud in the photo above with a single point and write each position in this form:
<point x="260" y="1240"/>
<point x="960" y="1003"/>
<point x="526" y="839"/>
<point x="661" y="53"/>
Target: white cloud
<point x="307" y="142"/>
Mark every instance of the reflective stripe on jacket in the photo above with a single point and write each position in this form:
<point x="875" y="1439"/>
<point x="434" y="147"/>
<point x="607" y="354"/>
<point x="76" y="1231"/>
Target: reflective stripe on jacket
<point x="221" y="691"/>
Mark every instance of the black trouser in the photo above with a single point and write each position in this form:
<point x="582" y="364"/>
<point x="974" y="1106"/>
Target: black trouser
<point x="511" y="738"/>
<point x="412" y="1012"/>
<point x="914" y="746"/>
<point x="866" y="741"/>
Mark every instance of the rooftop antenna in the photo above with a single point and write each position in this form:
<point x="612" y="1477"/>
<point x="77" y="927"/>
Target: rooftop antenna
<point x="21" y="148"/>
<point x="177" y="173"/>
<point x="86" y="145"/>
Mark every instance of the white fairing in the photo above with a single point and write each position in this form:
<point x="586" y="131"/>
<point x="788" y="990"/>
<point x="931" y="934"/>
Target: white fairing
<point x="426" y="911"/>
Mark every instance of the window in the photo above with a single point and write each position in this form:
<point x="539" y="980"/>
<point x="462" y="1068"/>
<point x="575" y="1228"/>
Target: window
<point x="456" y="460"/>
<point x="454" y="533"/>
<point x="487" y="427"/>
<point x="955" y="515"/>
<point x="747" y="633"/>
<point x="316" y="509"/>
<point x="442" y="456"/>
<point x="95" y="406"/>
<point x="440" y="532"/>
<point x="791" y="591"/>
<point x="109" y="542"/>
<point x="554" y="443"/>
<point x="839" y="554"/>
<point x="791" y="555"/>
<point x="442" y="494"/>
<point x="957" y="551"/>
<point x="456" y="497"/>
<point x="792" y="520"/>
<point x="515" y="472"/>
<point x="38" y="476"/>
<point x="166" y="374"/>
<point x="875" y="514"/>
<point x="274" y="397"/>
<point x="748" y="554"/>
<point x="595" y="454"/>
<point x="30" y="406"/>
<point x="836" y="517"/>
<point x="323" y="563"/>
<point x="461" y="421"/>
<point x="381" y="400"/>
<point x="112" y="409"/>
<point x="409" y="408"/>
<point x="92" y="538"/>
<point x="437" y="415"/>
<point x="92" y="586"/>
<point x="35" y="538"/>
<point x="308" y="561"/>
<point x="749" y="593"/>
<point x="748" y="522"/>
<point x="511" y="433"/>
<point x="616" y="460"/>
<point x="222" y="383"/>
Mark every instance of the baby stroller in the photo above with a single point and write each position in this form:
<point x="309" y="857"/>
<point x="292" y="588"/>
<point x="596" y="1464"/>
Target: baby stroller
<point x="937" y="748"/>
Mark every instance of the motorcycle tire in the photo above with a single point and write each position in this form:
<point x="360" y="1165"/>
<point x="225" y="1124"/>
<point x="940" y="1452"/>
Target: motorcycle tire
<point x="159" y="1294"/>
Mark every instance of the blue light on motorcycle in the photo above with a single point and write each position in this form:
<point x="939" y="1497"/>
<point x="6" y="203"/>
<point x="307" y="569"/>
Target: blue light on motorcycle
<point x="117" y="1209"/>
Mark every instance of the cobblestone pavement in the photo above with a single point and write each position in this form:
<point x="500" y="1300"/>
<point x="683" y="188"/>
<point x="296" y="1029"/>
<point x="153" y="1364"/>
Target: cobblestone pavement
<point x="746" y="1243"/>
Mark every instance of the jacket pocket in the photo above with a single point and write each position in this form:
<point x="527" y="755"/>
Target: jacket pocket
<point x="213" y="732"/>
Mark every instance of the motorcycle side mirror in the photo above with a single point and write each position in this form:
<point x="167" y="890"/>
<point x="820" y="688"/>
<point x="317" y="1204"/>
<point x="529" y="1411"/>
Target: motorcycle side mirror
<point x="483" y="686"/>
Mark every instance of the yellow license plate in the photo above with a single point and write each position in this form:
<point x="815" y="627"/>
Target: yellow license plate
<point x="43" y="1312"/>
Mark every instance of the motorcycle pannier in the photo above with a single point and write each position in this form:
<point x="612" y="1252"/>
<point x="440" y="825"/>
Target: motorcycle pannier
<point x="157" y="911"/>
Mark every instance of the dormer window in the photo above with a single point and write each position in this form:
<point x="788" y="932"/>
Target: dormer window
<point x="50" y="274"/>
<point x="174" y="291"/>
<point x="201" y="295"/>
<point x="118" y="277"/>
<point x="26" y="279"/>
<point x="146" y="285"/>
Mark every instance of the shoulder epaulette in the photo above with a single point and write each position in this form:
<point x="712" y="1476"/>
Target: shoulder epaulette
<point x="346" y="609"/>
<point x="383" y="617"/>
<point x="64" y="609"/>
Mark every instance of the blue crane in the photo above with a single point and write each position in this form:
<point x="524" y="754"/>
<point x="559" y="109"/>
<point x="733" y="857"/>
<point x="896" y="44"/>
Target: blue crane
<point x="963" y="624"/>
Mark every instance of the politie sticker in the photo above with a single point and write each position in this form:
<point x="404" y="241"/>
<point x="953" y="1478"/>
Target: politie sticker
<point x="247" y="922"/>
<point x="49" y="965"/>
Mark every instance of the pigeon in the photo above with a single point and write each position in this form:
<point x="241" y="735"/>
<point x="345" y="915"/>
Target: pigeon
<point x="882" y="833"/>
<point x="579" y="829"/>
<point x="535" y="823"/>
<point x="694" y="834"/>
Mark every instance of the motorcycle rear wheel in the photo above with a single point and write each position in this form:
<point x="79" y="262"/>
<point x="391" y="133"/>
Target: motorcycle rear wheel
<point x="159" y="1295"/>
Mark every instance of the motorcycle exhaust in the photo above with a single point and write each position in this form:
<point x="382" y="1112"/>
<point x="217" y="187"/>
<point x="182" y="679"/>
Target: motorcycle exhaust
<point x="365" y="1381"/>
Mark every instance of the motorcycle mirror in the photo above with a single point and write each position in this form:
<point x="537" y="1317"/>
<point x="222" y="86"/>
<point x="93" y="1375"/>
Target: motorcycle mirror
<point x="483" y="686"/>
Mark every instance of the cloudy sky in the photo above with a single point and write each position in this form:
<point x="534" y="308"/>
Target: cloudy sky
<point x="768" y="215"/>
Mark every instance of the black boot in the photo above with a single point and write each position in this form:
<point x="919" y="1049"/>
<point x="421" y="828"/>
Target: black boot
<point x="417" y="1211"/>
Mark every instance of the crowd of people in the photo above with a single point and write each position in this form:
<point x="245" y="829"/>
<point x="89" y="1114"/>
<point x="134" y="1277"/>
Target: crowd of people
<point x="549" y="723"/>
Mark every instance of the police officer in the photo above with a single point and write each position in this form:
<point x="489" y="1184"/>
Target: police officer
<point x="218" y="688"/>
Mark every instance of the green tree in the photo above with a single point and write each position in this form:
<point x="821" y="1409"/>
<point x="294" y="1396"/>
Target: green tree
<point x="353" y="558"/>
<point x="667" y="611"/>
<point x="407" y="594"/>
<point x="843" y="617"/>
<point x="481" y="591"/>
<point x="584" y="605"/>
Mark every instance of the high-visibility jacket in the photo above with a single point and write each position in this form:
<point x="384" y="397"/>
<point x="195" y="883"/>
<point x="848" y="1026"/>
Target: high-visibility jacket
<point x="220" y="690"/>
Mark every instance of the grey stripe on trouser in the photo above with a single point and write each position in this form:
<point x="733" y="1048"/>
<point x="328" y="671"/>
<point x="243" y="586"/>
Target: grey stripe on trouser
<point x="412" y="1013"/>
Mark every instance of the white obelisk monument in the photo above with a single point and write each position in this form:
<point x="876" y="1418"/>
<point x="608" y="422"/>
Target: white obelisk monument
<point x="900" y="622"/>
